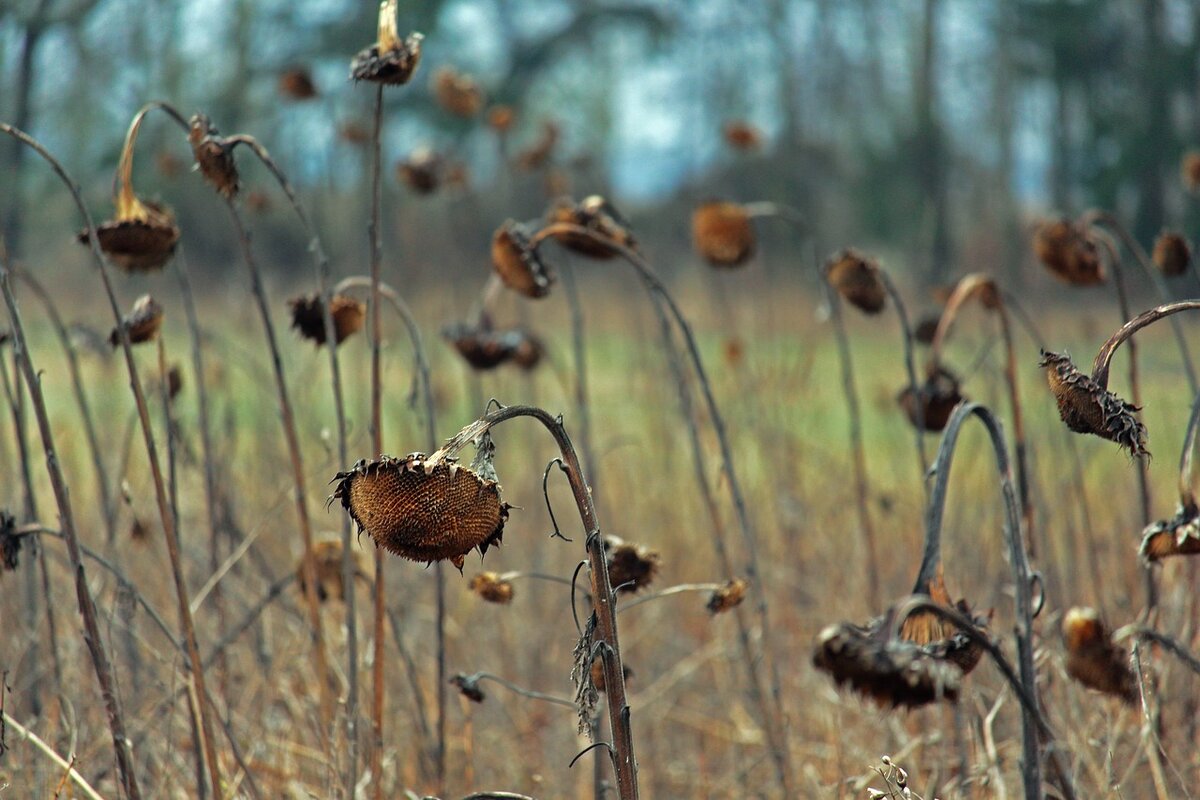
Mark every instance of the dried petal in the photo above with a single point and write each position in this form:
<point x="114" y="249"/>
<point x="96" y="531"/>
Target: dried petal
<point x="1178" y="536"/>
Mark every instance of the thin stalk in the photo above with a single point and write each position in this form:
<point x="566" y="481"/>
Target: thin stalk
<point x="376" y="429"/>
<point x="981" y="286"/>
<point x="1018" y="561"/>
<point x="512" y="687"/>
<point x="87" y="608"/>
<point x="81" y="399"/>
<point x="672" y="590"/>
<point x="323" y="273"/>
<point x="604" y="607"/>
<point x="288" y="418"/>
<point x="1187" y="492"/>
<point x="414" y="681"/>
<point x="658" y="293"/>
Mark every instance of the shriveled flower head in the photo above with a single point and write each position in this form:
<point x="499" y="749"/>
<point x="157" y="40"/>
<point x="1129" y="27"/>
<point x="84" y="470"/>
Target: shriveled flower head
<point x="1178" y="536"/>
<point x="422" y="511"/>
<point x="353" y="133"/>
<point x="1087" y="407"/>
<point x="214" y="156"/>
<point x="1189" y="170"/>
<point x="728" y="597"/>
<point x="308" y="317"/>
<point x="538" y="154"/>
<point x="174" y="381"/>
<point x="485" y="348"/>
<point x="742" y="135"/>
<point x="421" y="171"/>
<point x="296" y="83"/>
<point x="142" y="323"/>
<point x="939" y="395"/>
<point x="630" y="566"/>
<point x="889" y="671"/>
<point x="468" y="687"/>
<point x="391" y="60"/>
<point x="943" y="639"/>
<point x="501" y="118"/>
<point x="856" y="278"/>
<point x="723" y="234"/>
<point x="596" y="214"/>
<point x="10" y="542"/>
<point x="1093" y="659"/>
<point x="518" y="264"/>
<point x="327" y="563"/>
<point x="491" y="587"/>
<point x="457" y="92"/>
<point x="1067" y="251"/>
<point x="143" y="235"/>
<point x="1172" y="253"/>
<point x="598" y="674"/>
<point x="925" y="328"/>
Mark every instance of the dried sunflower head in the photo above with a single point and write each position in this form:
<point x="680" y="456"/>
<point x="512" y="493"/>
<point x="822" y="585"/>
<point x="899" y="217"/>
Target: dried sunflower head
<point x="421" y="171"/>
<point x="925" y="328"/>
<point x="596" y="214"/>
<point x="174" y="381"/>
<point x="1172" y="253"/>
<point x="1087" y="407"/>
<point x="214" y="156"/>
<point x="296" y="83"/>
<point x="391" y="60"/>
<point x="353" y="133"/>
<point x="1067" y="251"/>
<point x="630" y="566"/>
<point x="308" y="317"/>
<point x="538" y="154"/>
<point x="856" y="278"/>
<point x="518" y="264"/>
<point x="741" y="135"/>
<point x="1178" y="536"/>
<point x="422" y="511"/>
<point x="485" y="348"/>
<point x="491" y="587"/>
<point x="943" y="639"/>
<point x="501" y="118"/>
<point x="10" y="542"/>
<point x="723" y="234"/>
<point x="457" y="92"/>
<point x="939" y="395"/>
<point x="728" y="597"/>
<point x="327" y="563"/>
<point x="598" y="674"/>
<point x="142" y="322"/>
<point x="891" y="672"/>
<point x="468" y="687"/>
<point x="1093" y="659"/>
<point x="1189" y="169"/>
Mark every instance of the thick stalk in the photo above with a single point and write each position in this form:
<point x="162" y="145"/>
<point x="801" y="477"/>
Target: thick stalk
<point x="604" y="605"/>
<point x="87" y="608"/>
<point x="288" y="418"/>
<point x="81" y="399"/>
<point x="164" y="508"/>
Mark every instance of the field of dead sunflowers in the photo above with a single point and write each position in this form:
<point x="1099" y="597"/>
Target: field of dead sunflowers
<point x="449" y="486"/>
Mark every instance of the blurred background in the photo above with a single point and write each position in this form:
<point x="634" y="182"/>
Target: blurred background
<point x="930" y="130"/>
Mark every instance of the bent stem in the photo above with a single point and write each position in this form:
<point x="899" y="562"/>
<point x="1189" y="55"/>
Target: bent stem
<point x="1103" y="360"/>
<point x="87" y="608"/>
<point x="661" y="298"/>
<point x="982" y="287"/>
<point x="604" y="605"/>
<point x="164" y="506"/>
<point x="523" y="692"/>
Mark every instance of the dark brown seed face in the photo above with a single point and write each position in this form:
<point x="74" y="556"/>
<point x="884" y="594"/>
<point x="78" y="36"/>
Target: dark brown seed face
<point x="596" y="214"/>
<point x="890" y="672"/>
<point x="1178" y="536"/>
<point x="457" y="93"/>
<point x="297" y="84"/>
<point x="423" y="512"/>
<point x="468" y="687"/>
<point x="308" y="317"/>
<point x="214" y="156"/>
<point x="630" y="567"/>
<point x="136" y="245"/>
<point x="856" y="278"/>
<point x="1067" y="252"/>
<point x="484" y="348"/>
<point x="1172" y="254"/>
<point x="519" y="265"/>
<point x="926" y="328"/>
<point x="393" y="67"/>
<point x="939" y="395"/>
<point x="1087" y="408"/>
<point x="728" y="597"/>
<point x="492" y="588"/>
<point x="1093" y="659"/>
<point x="723" y="234"/>
<point x="142" y="322"/>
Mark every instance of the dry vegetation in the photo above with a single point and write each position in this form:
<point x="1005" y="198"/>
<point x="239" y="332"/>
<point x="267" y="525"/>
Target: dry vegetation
<point x="187" y="609"/>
